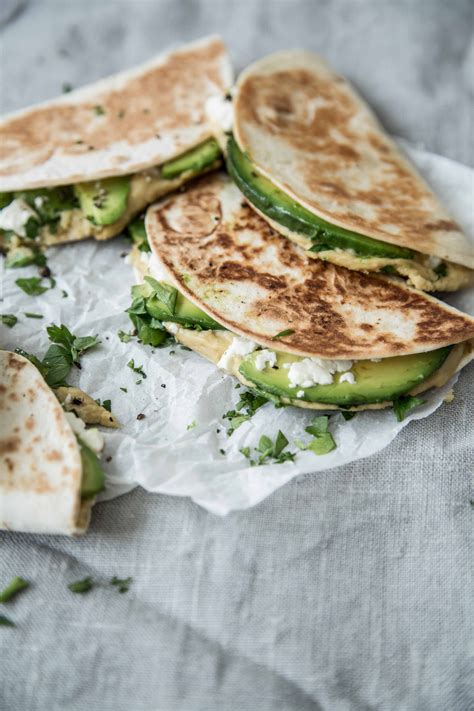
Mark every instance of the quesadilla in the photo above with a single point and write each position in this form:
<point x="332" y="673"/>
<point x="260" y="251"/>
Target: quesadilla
<point x="312" y="159"/>
<point x="50" y="470"/>
<point x="300" y="331"/>
<point x="84" y="165"/>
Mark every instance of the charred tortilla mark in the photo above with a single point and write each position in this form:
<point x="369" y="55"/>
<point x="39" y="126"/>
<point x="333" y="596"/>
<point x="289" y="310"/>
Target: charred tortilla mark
<point x="14" y="362"/>
<point x="8" y="445"/>
<point x="54" y="455"/>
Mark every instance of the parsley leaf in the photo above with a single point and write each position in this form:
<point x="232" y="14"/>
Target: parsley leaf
<point x="9" y="320"/>
<point x="122" y="584"/>
<point x="13" y="588"/>
<point x="136" y="368"/>
<point x="267" y="449"/>
<point x="32" y="286"/>
<point x="323" y="441"/>
<point x="81" y="586"/>
<point x="348" y="414"/>
<point x="64" y="352"/>
<point x="165" y="293"/>
<point x="191" y="425"/>
<point x="404" y="404"/>
<point x="124" y="337"/>
<point x="247" y="406"/>
<point x="282" y="334"/>
<point x="99" y="110"/>
<point x="30" y="315"/>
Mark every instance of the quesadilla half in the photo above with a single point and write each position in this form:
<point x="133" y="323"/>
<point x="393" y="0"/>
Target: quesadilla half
<point x="85" y="164"/>
<point x="312" y="159"/>
<point x="304" y="332"/>
<point x="50" y="470"/>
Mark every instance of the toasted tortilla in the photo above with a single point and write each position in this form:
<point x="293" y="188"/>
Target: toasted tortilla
<point x="119" y="125"/>
<point x="40" y="461"/>
<point x="226" y="259"/>
<point x="308" y="131"/>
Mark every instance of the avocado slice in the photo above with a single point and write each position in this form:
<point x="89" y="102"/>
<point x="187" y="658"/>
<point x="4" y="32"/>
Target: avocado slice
<point x="279" y="206"/>
<point x="374" y="382"/>
<point x="104" y="201"/>
<point x="185" y="312"/>
<point x="193" y="161"/>
<point x="93" y="477"/>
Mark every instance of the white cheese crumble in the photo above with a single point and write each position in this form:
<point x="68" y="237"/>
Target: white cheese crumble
<point x="347" y="378"/>
<point x="264" y="358"/>
<point x="172" y="327"/>
<point x="238" y="347"/>
<point x="220" y="111"/>
<point x="433" y="262"/>
<point x="92" y="438"/>
<point x="315" y="371"/>
<point x="38" y="201"/>
<point x="375" y="360"/>
<point x="300" y="393"/>
<point x="15" y="216"/>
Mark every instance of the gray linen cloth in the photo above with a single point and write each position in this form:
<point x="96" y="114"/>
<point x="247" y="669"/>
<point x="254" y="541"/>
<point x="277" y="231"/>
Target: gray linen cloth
<point x="349" y="590"/>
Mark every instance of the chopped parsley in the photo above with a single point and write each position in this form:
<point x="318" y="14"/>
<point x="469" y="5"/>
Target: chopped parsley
<point x="13" y="588"/>
<point x="404" y="404"/>
<point x="99" y="110"/>
<point x="348" y="414"/>
<point x="323" y="441"/>
<point x="191" y="425"/>
<point x="164" y="292"/>
<point x="149" y="331"/>
<point x="106" y="404"/>
<point x="282" y="334"/>
<point x="65" y="351"/>
<point x="81" y="586"/>
<point x="136" y="369"/>
<point x="124" y="390"/>
<point x="268" y="450"/>
<point x="29" y="315"/>
<point x="66" y="87"/>
<point x="33" y="286"/>
<point x="124" y="337"/>
<point x="9" y="320"/>
<point x="122" y="584"/>
<point x="247" y="406"/>
<point x="5" y="622"/>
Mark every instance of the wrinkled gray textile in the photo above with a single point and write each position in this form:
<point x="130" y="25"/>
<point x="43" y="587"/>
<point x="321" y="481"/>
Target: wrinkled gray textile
<point x="344" y="591"/>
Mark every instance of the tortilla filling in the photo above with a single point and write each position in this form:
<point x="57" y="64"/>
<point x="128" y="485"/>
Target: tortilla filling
<point x="32" y="219"/>
<point x="159" y="309"/>
<point x="336" y="244"/>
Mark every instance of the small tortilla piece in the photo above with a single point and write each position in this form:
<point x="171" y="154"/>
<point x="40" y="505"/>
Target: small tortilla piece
<point x="40" y="461"/>
<point x="119" y="125"/>
<point x="308" y="131"/>
<point x="223" y="257"/>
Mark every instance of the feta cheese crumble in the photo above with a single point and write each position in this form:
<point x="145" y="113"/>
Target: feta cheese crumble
<point x="220" y="111"/>
<point x="264" y="358"/>
<point x="172" y="327"/>
<point x="15" y="216"/>
<point x="300" y="393"/>
<point x="92" y="438"/>
<point x="238" y="347"/>
<point x="347" y="378"/>
<point x="433" y="262"/>
<point x="315" y="371"/>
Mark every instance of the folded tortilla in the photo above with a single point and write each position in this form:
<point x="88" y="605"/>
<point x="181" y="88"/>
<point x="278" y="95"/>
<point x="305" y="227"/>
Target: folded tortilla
<point x="40" y="460"/>
<point x="129" y="124"/>
<point x="307" y="130"/>
<point x="223" y="258"/>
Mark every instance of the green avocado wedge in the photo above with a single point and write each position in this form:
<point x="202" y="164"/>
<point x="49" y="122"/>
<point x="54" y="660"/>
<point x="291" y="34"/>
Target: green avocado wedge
<point x="104" y="201"/>
<point x="194" y="161"/>
<point x="375" y="382"/>
<point x="93" y="477"/>
<point x="280" y="207"/>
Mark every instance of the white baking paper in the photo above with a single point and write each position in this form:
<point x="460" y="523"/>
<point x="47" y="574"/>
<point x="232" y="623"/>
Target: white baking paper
<point x="181" y="447"/>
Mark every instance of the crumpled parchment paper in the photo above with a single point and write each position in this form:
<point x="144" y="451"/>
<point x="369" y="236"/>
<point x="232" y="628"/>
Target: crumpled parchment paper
<point x="177" y="447"/>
